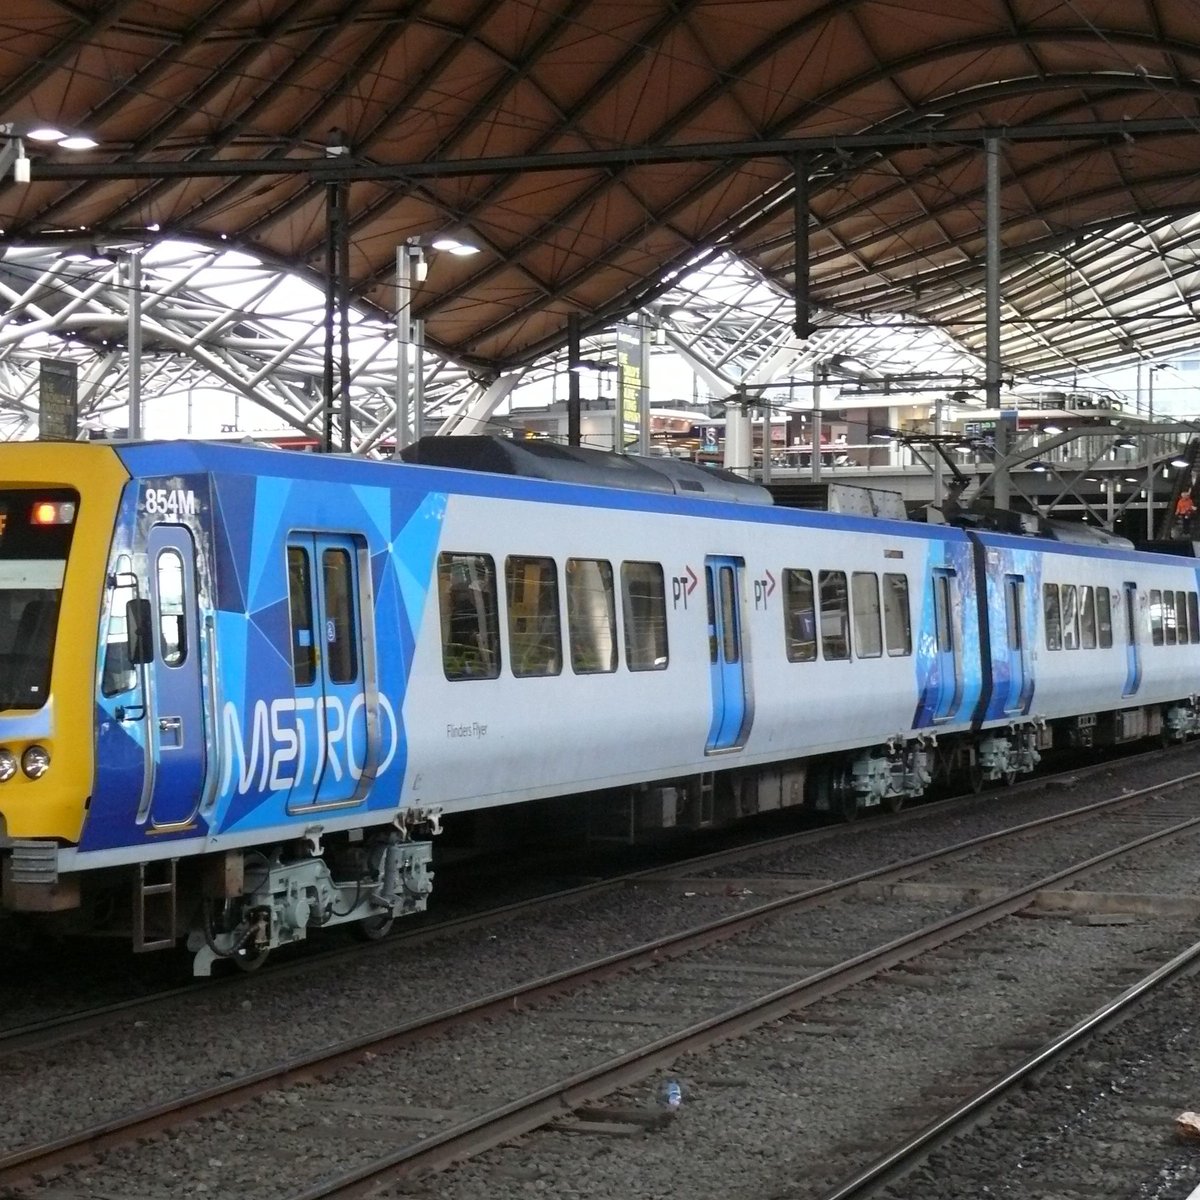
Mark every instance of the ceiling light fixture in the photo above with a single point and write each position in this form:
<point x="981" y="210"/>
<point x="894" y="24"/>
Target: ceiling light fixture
<point x="453" y="245"/>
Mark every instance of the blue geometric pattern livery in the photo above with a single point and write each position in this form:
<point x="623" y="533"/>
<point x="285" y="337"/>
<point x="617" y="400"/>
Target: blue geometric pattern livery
<point x="243" y="514"/>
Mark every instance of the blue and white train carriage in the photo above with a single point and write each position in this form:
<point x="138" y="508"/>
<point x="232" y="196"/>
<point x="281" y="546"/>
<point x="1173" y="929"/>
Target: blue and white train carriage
<point x="245" y="686"/>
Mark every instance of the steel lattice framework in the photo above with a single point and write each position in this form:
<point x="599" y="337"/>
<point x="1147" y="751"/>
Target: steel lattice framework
<point x="214" y="322"/>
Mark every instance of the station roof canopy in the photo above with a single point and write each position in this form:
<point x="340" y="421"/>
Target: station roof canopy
<point x="595" y="149"/>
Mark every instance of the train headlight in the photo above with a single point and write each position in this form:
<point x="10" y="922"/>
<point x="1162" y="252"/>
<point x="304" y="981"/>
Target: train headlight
<point x="8" y="764"/>
<point x="35" y="762"/>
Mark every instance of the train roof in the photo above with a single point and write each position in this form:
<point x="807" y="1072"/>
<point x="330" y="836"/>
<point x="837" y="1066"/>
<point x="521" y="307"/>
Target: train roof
<point x="177" y="458"/>
<point x="581" y="464"/>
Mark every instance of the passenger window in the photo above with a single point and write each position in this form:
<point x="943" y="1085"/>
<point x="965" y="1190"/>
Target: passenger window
<point x="835" y="615"/>
<point x="729" y="615"/>
<point x="644" y="604"/>
<point x="470" y="621"/>
<point x="304" y="658"/>
<point x="1193" y="607"/>
<point x="591" y="616"/>
<point x="1070" y="617"/>
<point x="119" y="674"/>
<point x="341" y="629"/>
<point x="1014" y="594"/>
<point x="1181" y="616"/>
<point x="943" y="612"/>
<point x="868" y="638"/>
<point x="1052" y="615"/>
<point x="172" y="630"/>
<point x="1168" y="612"/>
<point x="1156" y="617"/>
<point x="1087" y="619"/>
<point x="897" y="624"/>
<point x="534" y="637"/>
<point x="799" y="616"/>
<point x="1104" y="618"/>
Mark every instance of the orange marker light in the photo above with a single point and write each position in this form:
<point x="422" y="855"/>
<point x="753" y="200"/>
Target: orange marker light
<point x="52" y="512"/>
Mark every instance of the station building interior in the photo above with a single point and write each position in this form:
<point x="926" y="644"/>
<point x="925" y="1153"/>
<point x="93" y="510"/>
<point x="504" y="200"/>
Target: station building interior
<point x="945" y="253"/>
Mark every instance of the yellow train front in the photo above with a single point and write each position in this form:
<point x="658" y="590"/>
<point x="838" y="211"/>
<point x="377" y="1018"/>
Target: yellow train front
<point x="177" y="755"/>
<point x="57" y="509"/>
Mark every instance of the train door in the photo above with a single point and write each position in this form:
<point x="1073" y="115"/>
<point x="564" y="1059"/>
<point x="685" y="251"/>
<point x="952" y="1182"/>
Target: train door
<point x="328" y="670"/>
<point x="1133" y="658"/>
<point x="176" y="708"/>
<point x="949" y="675"/>
<point x="730" y="712"/>
<point x="1020" y="677"/>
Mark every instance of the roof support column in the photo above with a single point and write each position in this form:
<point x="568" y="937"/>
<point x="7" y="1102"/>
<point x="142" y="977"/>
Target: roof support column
<point x="574" y="434"/>
<point x="410" y="264"/>
<point x="803" y="322"/>
<point x="992" y="322"/>
<point x="331" y="308"/>
<point x="133" y="266"/>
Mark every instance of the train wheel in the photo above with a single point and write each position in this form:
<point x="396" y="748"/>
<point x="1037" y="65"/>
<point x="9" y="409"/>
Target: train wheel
<point x="975" y="778"/>
<point x="248" y="959"/>
<point x="845" y="798"/>
<point x="893" y="804"/>
<point x="372" y="929"/>
<point x="1010" y="777"/>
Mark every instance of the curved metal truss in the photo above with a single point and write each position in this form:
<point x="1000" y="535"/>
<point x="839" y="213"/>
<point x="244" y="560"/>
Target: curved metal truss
<point x="228" y="340"/>
<point x="231" y="344"/>
<point x="214" y="325"/>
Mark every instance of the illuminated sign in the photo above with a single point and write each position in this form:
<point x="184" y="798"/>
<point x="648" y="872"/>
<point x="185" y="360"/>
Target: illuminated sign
<point x="37" y="525"/>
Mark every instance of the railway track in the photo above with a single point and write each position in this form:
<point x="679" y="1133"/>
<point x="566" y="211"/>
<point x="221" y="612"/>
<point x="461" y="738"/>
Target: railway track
<point x="76" y="1023"/>
<point x="886" y="1170"/>
<point x="489" y="1128"/>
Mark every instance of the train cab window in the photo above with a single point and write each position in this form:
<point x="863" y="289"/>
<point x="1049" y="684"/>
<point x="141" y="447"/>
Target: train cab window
<point x="341" y="640"/>
<point x="1193" y="607"/>
<point x="644" y="605"/>
<point x="897" y="623"/>
<point x="591" y="616"/>
<point x="1087" y="618"/>
<point x="172" y="625"/>
<point x="1070" y="616"/>
<point x="534" y="636"/>
<point x="1104" y="618"/>
<point x="1156" y="617"/>
<point x="835" y="615"/>
<point x="304" y="653"/>
<point x="1181" y="617"/>
<point x="868" y="637"/>
<point x="470" y="616"/>
<point x="799" y="616"/>
<point x="1052" y="615"/>
<point x="119" y="674"/>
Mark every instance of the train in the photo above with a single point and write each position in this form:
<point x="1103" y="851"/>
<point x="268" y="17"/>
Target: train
<point x="242" y="689"/>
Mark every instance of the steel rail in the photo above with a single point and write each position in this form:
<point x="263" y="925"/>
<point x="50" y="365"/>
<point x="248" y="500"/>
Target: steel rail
<point x="20" y="1164"/>
<point x="528" y="1113"/>
<point x="50" y="1030"/>
<point x="898" y="1162"/>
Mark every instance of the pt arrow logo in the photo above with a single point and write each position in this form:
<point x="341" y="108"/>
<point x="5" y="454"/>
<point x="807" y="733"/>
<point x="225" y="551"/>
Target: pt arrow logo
<point x="763" y="590"/>
<point x="682" y="586"/>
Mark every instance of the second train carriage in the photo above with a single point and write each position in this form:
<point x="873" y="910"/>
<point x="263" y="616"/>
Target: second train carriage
<point x="244" y="686"/>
